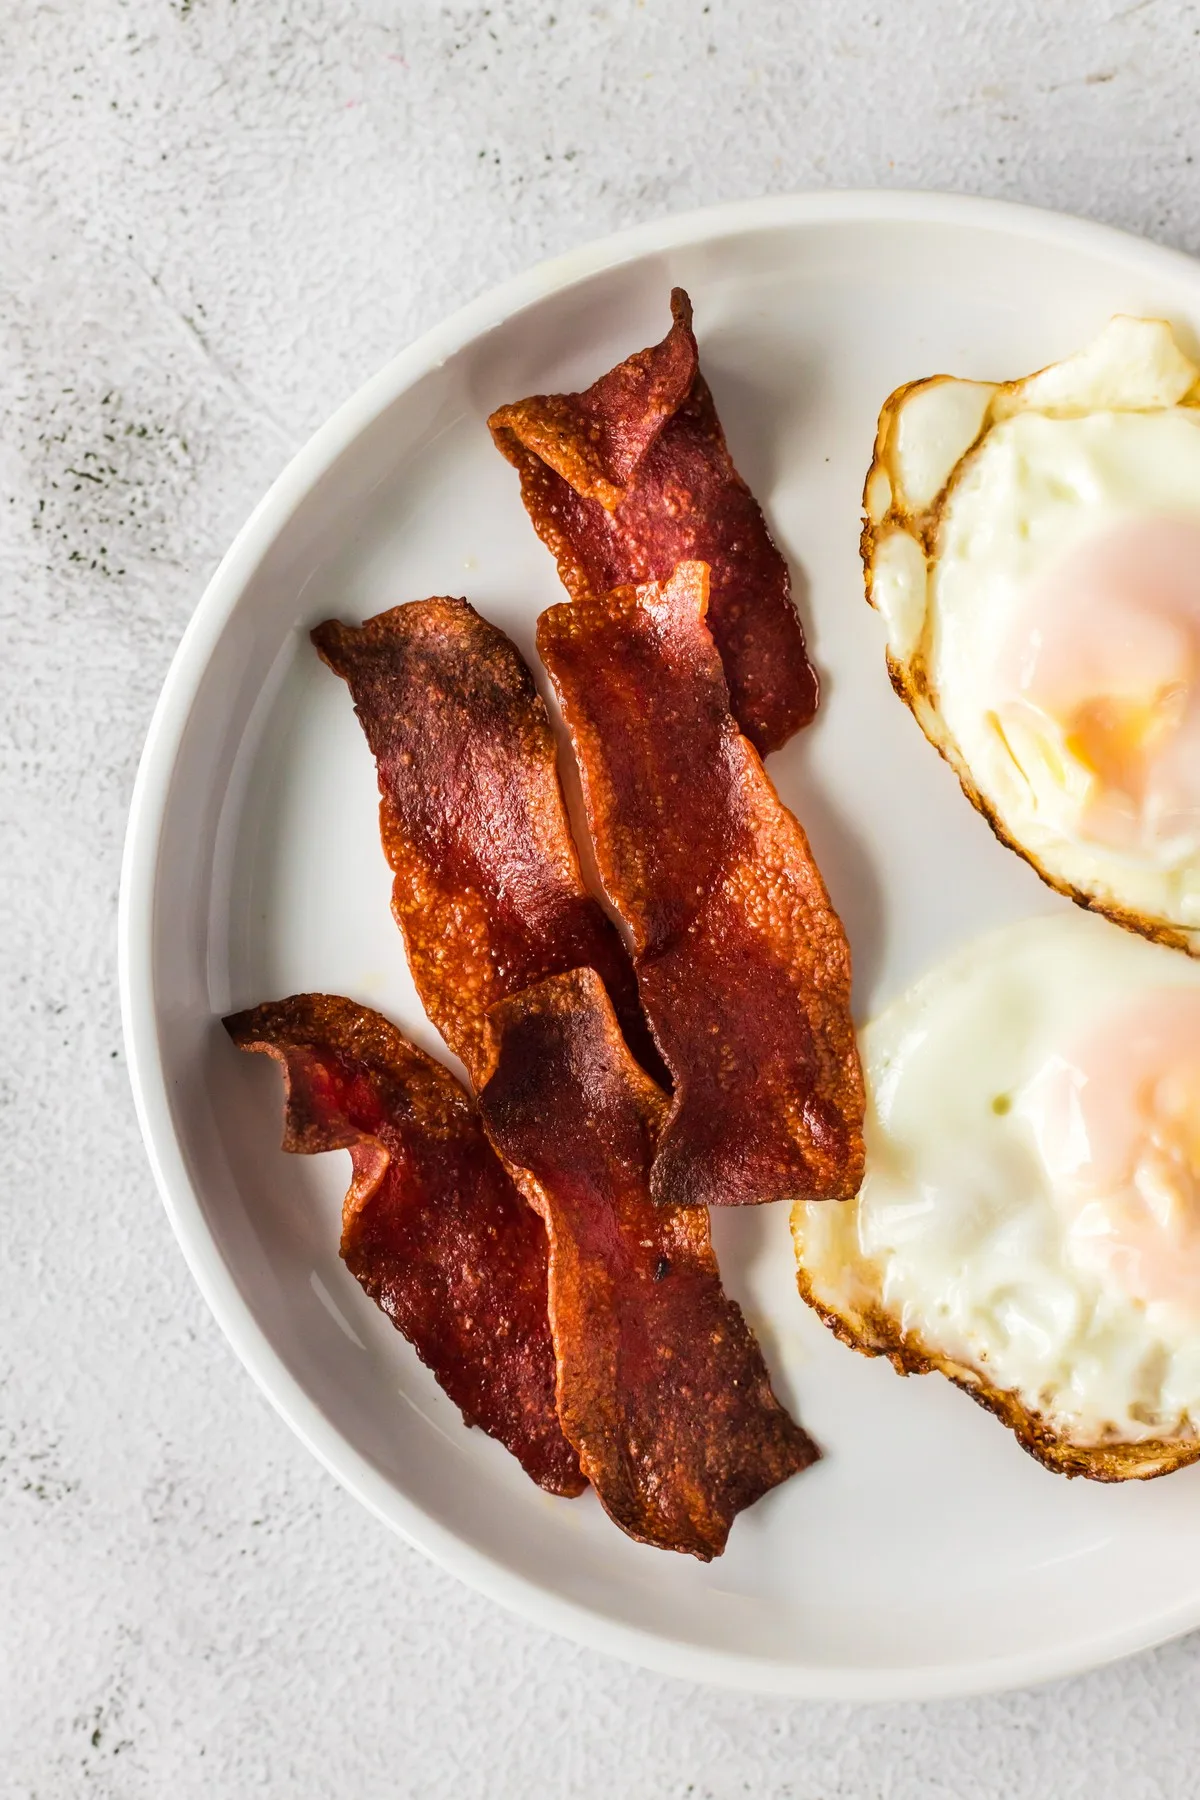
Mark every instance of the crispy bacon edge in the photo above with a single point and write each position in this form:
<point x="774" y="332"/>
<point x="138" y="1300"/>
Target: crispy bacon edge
<point x="488" y="892"/>
<point x="632" y="476"/>
<point x="742" y="962"/>
<point x="433" y="1228"/>
<point x="662" y="1387"/>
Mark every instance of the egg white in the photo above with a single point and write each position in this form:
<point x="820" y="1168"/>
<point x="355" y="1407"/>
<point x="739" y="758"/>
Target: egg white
<point x="956" y="1254"/>
<point x="974" y="491"/>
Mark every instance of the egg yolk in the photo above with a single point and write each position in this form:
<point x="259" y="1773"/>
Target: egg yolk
<point x="1101" y="674"/>
<point x="1117" y="1126"/>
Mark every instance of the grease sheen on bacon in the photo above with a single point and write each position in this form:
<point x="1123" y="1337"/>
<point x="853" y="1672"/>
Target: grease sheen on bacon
<point x="487" y="889"/>
<point x="432" y="1227"/>
<point x="662" y="1388"/>
<point x="633" y="476"/>
<point x="743" y="965"/>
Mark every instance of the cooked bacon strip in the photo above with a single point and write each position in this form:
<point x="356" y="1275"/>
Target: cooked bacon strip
<point x="633" y="476"/>
<point x="432" y="1227"/>
<point x="742" y="963"/>
<point x="662" y="1388"/>
<point x="488" y="892"/>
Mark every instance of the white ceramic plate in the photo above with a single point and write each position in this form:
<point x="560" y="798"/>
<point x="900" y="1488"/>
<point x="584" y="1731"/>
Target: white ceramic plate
<point x="927" y="1554"/>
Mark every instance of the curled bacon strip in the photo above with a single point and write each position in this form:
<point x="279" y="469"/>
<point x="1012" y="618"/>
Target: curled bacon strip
<point x="487" y="891"/>
<point x="633" y="476"/>
<point x="743" y="965"/>
<point x="432" y="1227"/>
<point x="662" y="1388"/>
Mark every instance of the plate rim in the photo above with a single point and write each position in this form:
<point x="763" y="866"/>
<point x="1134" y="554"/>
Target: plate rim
<point x="541" y="1605"/>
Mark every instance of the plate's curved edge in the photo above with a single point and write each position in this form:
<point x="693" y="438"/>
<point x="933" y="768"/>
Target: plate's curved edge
<point x="540" y="1606"/>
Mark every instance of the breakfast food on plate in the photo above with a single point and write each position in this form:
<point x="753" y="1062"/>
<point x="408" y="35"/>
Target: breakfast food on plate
<point x="1034" y="550"/>
<point x="432" y="1227"/>
<point x="487" y="891"/>
<point x="742" y="963"/>
<point x="662" y="1388"/>
<point x="632" y="476"/>
<point x="490" y="898"/>
<point x="1020" y="1175"/>
<point x="1030" y="1219"/>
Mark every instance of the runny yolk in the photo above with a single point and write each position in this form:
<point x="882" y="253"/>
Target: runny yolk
<point x="1117" y="1125"/>
<point x="1103" y="666"/>
<point x="1119" y="739"/>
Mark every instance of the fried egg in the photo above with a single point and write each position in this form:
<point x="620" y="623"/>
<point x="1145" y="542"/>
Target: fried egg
<point x="1033" y="548"/>
<point x="1029" y="1223"/>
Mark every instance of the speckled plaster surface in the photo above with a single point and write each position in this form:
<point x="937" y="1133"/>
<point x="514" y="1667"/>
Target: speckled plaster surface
<point x="215" y="220"/>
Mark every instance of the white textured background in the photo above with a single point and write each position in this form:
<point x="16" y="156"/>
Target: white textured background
<point x="215" y="220"/>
